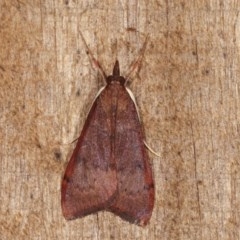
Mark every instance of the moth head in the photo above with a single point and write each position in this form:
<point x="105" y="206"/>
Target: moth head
<point x="115" y="77"/>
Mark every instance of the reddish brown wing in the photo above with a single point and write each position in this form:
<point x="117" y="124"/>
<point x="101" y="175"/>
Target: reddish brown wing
<point x="90" y="181"/>
<point x="135" y="198"/>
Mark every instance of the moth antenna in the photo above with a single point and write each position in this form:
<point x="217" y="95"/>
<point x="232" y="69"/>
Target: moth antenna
<point x="136" y="64"/>
<point x="93" y="60"/>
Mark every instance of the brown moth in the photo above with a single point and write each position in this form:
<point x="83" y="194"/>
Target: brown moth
<point x="109" y="168"/>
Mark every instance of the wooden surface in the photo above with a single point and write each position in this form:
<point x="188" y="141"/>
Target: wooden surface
<point x="187" y="92"/>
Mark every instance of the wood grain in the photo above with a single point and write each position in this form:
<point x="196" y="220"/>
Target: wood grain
<point x="188" y="97"/>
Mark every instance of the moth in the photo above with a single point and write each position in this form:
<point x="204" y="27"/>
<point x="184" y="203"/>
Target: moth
<point x="109" y="168"/>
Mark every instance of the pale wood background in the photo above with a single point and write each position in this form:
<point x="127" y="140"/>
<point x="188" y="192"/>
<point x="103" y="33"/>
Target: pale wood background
<point x="187" y="92"/>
